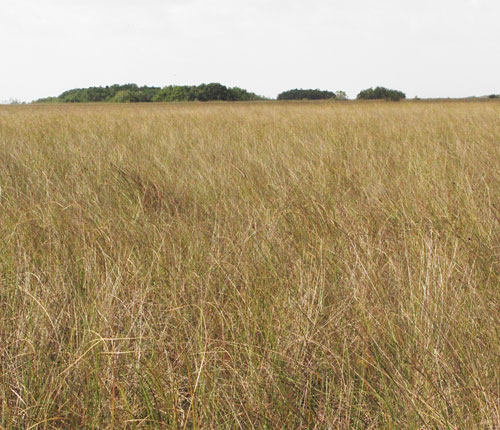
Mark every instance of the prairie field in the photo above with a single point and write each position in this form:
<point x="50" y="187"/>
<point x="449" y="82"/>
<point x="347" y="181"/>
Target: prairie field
<point x="250" y="266"/>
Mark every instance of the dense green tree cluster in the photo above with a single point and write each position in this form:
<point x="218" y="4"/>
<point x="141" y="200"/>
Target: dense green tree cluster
<point x="133" y="93"/>
<point x="381" y="93"/>
<point x="113" y="93"/>
<point x="494" y="96"/>
<point x="297" y="94"/>
<point x="204" y="92"/>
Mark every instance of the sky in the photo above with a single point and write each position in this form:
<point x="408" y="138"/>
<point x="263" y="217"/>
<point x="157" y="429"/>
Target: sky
<point x="426" y="48"/>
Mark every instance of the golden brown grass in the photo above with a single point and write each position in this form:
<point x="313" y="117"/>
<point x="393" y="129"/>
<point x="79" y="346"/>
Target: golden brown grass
<point x="267" y="265"/>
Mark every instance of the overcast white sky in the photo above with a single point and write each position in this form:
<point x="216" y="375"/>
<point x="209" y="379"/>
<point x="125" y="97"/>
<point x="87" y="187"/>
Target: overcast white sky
<point x="429" y="48"/>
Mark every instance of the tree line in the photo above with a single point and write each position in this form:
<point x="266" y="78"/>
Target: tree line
<point x="378" y="93"/>
<point x="132" y="93"/>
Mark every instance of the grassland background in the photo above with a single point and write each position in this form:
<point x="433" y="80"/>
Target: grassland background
<point x="264" y="265"/>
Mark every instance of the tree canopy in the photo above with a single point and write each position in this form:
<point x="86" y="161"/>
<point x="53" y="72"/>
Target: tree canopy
<point x="113" y="93"/>
<point x="381" y="93"/>
<point x="131" y="93"/>
<point x="204" y="92"/>
<point x="301" y="94"/>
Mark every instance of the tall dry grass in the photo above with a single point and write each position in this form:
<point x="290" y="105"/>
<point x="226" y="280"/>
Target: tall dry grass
<point x="211" y="266"/>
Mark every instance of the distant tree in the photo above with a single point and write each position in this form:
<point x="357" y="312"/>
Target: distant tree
<point x="48" y="100"/>
<point x="75" y="96"/>
<point x="214" y="91"/>
<point x="341" y="95"/>
<point x="494" y="96"/>
<point x="301" y="94"/>
<point x="381" y="93"/>
<point x="146" y="94"/>
<point x="176" y="93"/>
<point x="203" y="92"/>
<point x="123" y="96"/>
<point x="113" y="93"/>
<point x="239" y="94"/>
